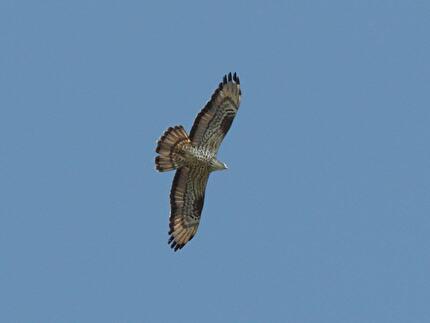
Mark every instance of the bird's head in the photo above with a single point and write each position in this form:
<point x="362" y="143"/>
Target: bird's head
<point x="217" y="165"/>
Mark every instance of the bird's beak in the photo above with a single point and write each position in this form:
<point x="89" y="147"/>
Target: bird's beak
<point x="217" y="165"/>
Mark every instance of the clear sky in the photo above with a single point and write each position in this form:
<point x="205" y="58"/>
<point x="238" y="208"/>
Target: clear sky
<point x="323" y="214"/>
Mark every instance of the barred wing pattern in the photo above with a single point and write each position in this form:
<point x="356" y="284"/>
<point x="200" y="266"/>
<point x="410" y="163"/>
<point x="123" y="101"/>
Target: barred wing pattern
<point x="186" y="203"/>
<point x="215" y="119"/>
<point x="193" y="158"/>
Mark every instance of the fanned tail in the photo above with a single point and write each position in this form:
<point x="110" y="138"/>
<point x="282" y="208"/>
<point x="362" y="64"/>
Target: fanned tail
<point x="169" y="146"/>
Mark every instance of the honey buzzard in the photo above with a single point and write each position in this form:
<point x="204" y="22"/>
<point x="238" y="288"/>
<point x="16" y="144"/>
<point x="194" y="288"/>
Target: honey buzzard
<point x="194" y="158"/>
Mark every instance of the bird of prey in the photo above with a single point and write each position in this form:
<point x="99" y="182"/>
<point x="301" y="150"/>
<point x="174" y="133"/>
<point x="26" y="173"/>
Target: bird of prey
<point x="194" y="158"/>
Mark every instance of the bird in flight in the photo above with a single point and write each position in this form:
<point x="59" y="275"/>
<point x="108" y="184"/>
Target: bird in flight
<point x="194" y="158"/>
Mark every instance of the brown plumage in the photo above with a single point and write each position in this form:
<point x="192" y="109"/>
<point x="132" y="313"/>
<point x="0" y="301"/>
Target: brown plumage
<point x="194" y="157"/>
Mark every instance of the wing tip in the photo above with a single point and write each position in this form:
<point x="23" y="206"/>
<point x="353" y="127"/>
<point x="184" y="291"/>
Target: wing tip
<point x="174" y="245"/>
<point x="234" y="78"/>
<point x="228" y="78"/>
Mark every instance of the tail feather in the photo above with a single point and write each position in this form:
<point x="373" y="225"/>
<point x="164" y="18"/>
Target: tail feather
<point x="169" y="148"/>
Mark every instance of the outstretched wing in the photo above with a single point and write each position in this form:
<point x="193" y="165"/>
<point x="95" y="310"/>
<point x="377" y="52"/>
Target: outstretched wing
<point x="186" y="203"/>
<point x="214" y="120"/>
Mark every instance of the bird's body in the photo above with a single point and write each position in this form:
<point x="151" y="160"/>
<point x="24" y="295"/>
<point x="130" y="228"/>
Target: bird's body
<point x="194" y="157"/>
<point x="203" y="158"/>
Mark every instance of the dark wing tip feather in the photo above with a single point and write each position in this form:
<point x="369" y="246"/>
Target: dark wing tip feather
<point x="231" y="77"/>
<point x="236" y="78"/>
<point x="174" y="245"/>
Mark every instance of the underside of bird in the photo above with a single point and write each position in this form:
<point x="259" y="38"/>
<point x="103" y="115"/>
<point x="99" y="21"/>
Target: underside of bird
<point x="176" y="150"/>
<point x="194" y="158"/>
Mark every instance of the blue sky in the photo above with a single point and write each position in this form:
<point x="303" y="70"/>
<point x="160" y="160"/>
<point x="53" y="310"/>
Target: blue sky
<point x="323" y="215"/>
